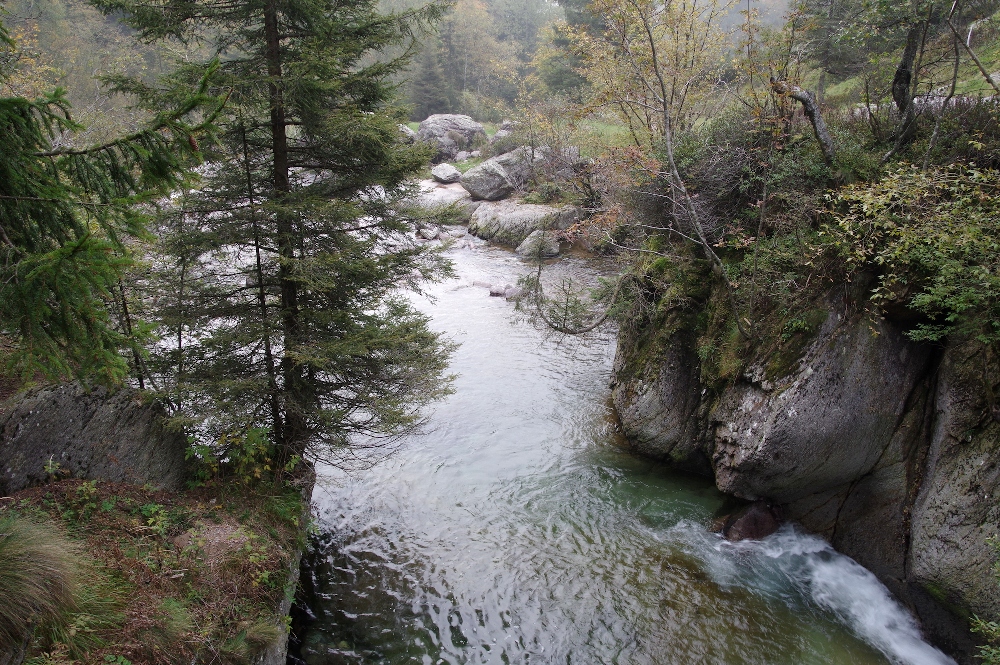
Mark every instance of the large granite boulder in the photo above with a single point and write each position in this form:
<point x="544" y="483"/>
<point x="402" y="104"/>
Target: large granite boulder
<point x="450" y="133"/>
<point x="958" y="505"/>
<point x="88" y="434"/>
<point x="888" y="448"/>
<point x="499" y="177"/>
<point x="657" y="396"/>
<point x="446" y="174"/>
<point x="510" y="222"/>
<point x="409" y="136"/>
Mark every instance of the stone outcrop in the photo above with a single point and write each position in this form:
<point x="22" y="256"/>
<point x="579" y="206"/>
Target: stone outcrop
<point x="888" y="448"/>
<point x="510" y="222"/>
<point x="450" y="133"/>
<point x="94" y="435"/>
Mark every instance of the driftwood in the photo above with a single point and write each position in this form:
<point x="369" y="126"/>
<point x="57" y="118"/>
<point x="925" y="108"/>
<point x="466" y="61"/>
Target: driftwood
<point x="811" y="108"/>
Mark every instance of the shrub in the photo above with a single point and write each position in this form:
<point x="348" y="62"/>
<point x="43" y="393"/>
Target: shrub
<point x="933" y="238"/>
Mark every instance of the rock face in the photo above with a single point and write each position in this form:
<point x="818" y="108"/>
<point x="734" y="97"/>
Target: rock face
<point x="450" y="133"/>
<point x="886" y="447"/>
<point x="510" y="222"/>
<point x="92" y="435"/>
<point x="539" y="244"/>
<point x="446" y="174"/>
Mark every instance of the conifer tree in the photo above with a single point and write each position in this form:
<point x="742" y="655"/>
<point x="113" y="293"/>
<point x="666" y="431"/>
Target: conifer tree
<point x="285" y="265"/>
<point x="429" y="91"/>
<point x="65" y="217"/>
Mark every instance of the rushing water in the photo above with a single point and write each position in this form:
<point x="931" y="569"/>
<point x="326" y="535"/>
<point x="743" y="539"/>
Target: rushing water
<point x="515" y="530"/>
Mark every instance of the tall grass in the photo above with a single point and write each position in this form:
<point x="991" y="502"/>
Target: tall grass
<point x="39" y="576"/>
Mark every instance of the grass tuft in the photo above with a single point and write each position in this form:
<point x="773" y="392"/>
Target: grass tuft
<point x="40" y="573"/>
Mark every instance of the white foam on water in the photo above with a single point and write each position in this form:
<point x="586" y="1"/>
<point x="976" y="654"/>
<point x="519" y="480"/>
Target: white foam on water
<point x="803" y="568"/>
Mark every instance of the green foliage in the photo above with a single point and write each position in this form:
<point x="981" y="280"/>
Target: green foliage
<point x="65" y="217"/>
<point x="277" y="281"/>
<point x="933" y="238"/>
<point x="990" y="630"/>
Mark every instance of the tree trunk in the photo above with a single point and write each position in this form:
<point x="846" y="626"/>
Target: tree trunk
<point x="811" y="108"/>
<point x="294" y="430"/>
<point x="272" y="378"/>
<point x="903" y="79"/>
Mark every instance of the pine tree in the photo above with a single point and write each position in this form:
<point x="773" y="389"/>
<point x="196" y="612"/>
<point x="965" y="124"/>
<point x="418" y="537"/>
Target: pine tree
<point x="429" y="91"/>
<point x="283" y="269"/>
<point x="65" y="218"/>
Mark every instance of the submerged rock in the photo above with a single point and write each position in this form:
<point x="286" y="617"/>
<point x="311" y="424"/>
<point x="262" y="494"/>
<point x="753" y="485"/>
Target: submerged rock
<point x="753" y="522"/>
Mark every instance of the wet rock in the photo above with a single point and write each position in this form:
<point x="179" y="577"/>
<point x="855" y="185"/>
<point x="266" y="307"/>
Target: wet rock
<point x="539" y="244"/>
<point x="510" y="222"/>
<point x="450" y="133"/>
<point x="446" y="173"/>
<point x="756" y="521"/>
<point x="435" y="197"/>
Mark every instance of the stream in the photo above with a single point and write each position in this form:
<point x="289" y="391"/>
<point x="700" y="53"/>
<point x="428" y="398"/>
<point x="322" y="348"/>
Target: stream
<point x="516" y="529"/>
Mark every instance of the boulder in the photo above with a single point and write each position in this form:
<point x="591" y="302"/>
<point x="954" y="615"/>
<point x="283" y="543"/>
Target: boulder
<point x="435" y="197"/>
<point x="785" y="439"/>
<point x="503" y="141"/>
<point x="657" y="398"/>
<point x="93" y="434"/>
<point x="498" y="177"/>
<point x="450" y="133"/>
<point x="446" y="174"/>
<point x="428" y="232"/>
<point x="409" y="136"/>
<point x="753" y="522"/>
<point x="884" y="446"/>
<point x="510" y="222"/>
<point x="539" y="244"/>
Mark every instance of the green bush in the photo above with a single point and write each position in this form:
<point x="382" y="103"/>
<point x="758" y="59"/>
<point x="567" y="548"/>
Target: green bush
<point x="933" y="238"/>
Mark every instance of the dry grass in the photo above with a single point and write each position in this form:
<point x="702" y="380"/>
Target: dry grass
<point x="39" y="576"/>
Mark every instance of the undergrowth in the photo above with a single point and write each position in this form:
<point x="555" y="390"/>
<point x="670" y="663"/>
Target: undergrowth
<point x="121" y="574"/>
